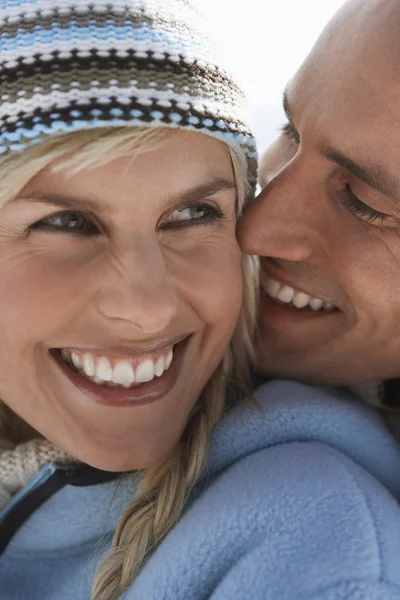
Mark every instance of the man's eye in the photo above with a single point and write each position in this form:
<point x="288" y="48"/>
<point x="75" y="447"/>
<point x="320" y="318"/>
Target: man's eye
<point x="358" y="208"/>
<point x="193" y="214"/>
<point x="67" y="222"/>
<point x="291" y="133"/>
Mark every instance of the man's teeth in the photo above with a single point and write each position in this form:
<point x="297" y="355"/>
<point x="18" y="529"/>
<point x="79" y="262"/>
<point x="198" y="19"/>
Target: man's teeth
<point x="288" y="295"/>
<point x="121" y="372"/>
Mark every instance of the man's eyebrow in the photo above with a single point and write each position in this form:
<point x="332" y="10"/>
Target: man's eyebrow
<point x="73" y="203"/>
<point x="374" y="175"/>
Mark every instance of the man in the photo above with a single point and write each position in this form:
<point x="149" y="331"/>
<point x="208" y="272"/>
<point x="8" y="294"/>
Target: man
<point x="327" y="223"/>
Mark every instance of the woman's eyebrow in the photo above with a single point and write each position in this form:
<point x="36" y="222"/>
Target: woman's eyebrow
<point x="65" y="201"/>
<point x="204" y="191"/>
<point x="68" y="202"/>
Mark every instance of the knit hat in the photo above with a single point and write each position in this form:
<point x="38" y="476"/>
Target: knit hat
<point x="68" y="65"/>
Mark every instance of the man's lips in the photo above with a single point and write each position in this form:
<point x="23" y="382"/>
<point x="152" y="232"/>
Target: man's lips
<point x="274" y="312"/>
<point x="291" y="296"/>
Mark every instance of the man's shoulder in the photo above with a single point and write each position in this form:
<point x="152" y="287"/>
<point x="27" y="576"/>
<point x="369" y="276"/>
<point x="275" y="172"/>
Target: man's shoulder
<point x="314" y="511"/>
<point x="287" y="521"/>
<point x="304" y="479"/>
<point x="288" y="412"/>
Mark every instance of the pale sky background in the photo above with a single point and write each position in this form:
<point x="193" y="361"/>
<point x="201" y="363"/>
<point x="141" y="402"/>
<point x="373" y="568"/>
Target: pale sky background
<point x="265" y="42"/>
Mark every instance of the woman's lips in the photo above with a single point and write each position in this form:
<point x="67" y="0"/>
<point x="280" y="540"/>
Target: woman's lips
<point x="136" y="395"/>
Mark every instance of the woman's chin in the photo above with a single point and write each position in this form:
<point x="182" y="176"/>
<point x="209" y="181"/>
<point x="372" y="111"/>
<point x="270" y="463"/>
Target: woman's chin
<point x="120" y="460"/>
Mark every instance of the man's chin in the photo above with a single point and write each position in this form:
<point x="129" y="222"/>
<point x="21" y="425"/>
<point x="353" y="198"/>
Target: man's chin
<point x="307" y="365"/>
<point x="267" y="370"/>
<point x="292" y="369"/>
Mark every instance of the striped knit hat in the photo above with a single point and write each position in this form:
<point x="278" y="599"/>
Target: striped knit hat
<point x="67" y="65"/>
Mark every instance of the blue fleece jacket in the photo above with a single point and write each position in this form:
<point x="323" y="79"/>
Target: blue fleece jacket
<point x="299" y="501"/>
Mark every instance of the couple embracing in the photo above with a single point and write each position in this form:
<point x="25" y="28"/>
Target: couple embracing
<point x="157" y="319"/>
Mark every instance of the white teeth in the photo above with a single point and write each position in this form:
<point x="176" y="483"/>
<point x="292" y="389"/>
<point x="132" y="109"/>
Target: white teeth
<point x="168" y="359"/>
<point x="100" y="370"/>
<point x="273" y="287"/>
<point x="301" y="300"/>
<point x="288" y="295"/>
<point x="159" y="367"/>
<point x="285" y="294"/>
<point x="76" y="359"/>
<point x="123" y="373"/>
<point x="103" y="369"/>
<point x="316" y="304"/>
<point x="145" y="371"/>
<point x="88" y="365"/>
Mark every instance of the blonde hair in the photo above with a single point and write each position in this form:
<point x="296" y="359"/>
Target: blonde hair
<point x="162" y="490"/>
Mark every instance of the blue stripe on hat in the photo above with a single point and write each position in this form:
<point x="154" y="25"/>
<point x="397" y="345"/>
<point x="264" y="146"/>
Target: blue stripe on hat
<point x="175" y="40"/>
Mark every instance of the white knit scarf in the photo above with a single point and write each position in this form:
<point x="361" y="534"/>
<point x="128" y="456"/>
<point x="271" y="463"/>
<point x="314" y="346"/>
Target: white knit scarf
<point x="19" y="463"/>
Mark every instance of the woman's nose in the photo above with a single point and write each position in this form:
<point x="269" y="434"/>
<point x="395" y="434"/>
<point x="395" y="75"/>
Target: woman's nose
<point x="281" y="223"/>
<point x="136" y="289"/>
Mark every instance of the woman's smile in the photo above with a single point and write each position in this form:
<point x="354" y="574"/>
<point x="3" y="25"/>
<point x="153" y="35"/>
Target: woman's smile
<point x="125" y="381"/>
<point x="127" y="306"/>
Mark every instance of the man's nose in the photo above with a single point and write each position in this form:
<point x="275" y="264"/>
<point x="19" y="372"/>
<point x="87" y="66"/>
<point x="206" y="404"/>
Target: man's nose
<point x="137" y="290"/>
<point x="285" y="221"/>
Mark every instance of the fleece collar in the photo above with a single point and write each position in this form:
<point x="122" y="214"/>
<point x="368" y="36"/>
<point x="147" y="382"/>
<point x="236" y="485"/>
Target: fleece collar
<point x="291" y="412"/>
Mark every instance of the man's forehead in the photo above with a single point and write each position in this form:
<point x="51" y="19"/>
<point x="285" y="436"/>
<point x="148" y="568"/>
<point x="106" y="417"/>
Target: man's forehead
<point x="346" y="95"/>
<point x="364" y="35"/>
<point x="354" y="80"/>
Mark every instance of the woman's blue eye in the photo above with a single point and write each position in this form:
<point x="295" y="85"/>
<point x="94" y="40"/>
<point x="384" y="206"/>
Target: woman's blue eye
<point x="193" y="214"/>
<point x="77" y="223"/>
<point x="68" y="222"/>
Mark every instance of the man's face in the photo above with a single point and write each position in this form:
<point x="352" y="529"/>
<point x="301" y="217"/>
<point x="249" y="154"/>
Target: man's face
<point x="327" y="223"/>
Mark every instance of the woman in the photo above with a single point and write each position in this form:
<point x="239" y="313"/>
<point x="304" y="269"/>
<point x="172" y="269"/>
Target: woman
<point x="126" y="161"/>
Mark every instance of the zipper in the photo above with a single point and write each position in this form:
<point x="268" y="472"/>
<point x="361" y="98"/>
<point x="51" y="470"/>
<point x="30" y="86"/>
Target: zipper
<point x="35" y="481"/>
<point x="40" y="488"/>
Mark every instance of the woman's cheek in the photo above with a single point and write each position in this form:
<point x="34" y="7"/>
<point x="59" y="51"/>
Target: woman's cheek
<point x="36" y="286"/>
<point x="211" y="275"/>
